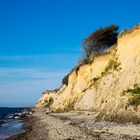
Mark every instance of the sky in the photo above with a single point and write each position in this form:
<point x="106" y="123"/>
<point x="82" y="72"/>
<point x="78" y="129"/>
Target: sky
<point x="40" y="41"/>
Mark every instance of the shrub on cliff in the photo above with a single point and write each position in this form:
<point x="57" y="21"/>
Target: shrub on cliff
<point x="65" y="80"/>
<point x="135" y="100"/>
<point x="95" y="44"/>
<point x="100" y="40"/>
<point x="48" y="102"/>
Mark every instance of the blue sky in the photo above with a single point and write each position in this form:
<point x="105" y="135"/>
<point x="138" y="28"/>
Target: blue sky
<point x="40" y="41"/>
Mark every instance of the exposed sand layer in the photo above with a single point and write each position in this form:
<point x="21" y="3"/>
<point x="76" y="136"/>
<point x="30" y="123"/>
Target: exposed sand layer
<point x="75" y="126"/>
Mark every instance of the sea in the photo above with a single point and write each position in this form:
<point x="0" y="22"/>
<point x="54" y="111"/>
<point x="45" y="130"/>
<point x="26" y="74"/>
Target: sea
<point x="8" y="125"/>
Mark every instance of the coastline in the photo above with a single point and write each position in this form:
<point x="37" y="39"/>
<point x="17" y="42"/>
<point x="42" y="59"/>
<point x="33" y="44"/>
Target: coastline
<point x="27" y="127"/>
<point x="31" y="129"/>
<point x="74" y="126"/>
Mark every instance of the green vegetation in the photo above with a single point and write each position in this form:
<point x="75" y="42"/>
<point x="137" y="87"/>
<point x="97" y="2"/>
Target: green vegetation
<point x="136" y="89"/>
<point x="92" y="82"/>
<point x="100" y="40"/>
<point x="111" y="65"/>
<point x="50" y="91"/>
<point x="71" y="104"/>
<point x="116" y="65"/>
<point x="65" y="80"/>
<point x="135" y="100"/>
<point x="96" y="79"/>
<point x="48" y="102"/>
<point x="96" y="44"/>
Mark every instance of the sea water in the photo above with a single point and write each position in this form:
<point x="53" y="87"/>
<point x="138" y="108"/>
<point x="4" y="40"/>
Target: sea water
<point x="10" y="126"/>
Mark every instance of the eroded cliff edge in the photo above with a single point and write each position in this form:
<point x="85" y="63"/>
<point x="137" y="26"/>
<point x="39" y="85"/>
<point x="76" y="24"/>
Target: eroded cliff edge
<point x="110" y="84"/>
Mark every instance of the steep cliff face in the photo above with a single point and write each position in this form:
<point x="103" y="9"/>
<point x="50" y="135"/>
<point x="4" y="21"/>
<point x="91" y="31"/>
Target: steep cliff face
<point x="78" y="81"/>
<point x="107" y="85"/>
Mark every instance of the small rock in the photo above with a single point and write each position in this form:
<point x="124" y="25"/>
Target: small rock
<point x="68" y="122"/>
<point x="131" y="123"/>
<point x="47" y="112"/>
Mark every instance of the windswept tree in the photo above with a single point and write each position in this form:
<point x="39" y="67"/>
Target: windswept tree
<point x="100" y="40"/>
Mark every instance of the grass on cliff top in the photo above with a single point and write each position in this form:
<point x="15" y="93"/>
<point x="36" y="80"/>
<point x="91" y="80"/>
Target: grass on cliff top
<point x="50" y="91"/>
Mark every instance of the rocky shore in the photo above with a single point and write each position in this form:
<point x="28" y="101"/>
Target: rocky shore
<point x="75" y="126"/>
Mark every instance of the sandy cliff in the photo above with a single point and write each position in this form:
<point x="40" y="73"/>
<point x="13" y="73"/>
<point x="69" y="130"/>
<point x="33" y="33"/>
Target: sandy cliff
<point x="45" y="97"/>
<point x="108" y="84"/>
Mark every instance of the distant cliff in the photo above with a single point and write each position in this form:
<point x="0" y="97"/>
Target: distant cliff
<point x="110" y="84"/>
